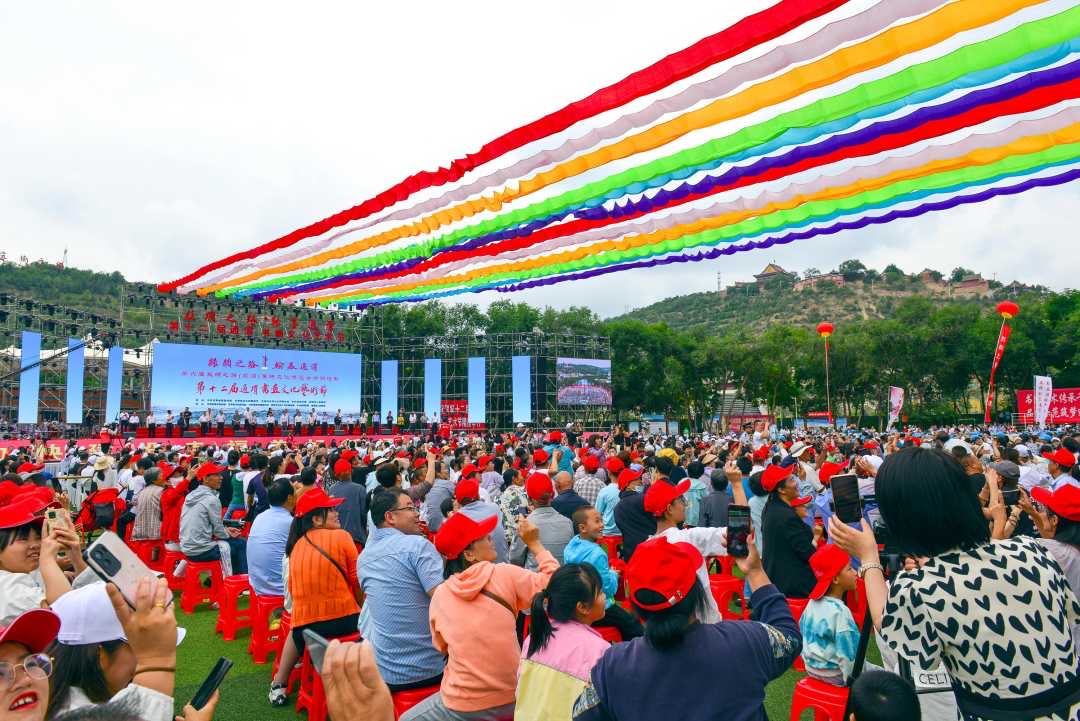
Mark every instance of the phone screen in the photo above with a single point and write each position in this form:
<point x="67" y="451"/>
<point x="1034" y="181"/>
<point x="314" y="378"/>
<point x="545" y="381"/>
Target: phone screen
<point x="738" y="531"/>
<point x="845" y="489"/>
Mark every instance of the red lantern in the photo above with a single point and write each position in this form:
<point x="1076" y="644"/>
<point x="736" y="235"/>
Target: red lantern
<point x="825" y="329"/>
<point x="1007" y="309"/>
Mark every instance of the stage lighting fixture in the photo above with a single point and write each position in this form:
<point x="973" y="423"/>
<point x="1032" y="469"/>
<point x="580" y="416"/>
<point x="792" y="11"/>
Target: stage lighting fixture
<point x="3" y="316"/>
<point x="4" y="299"/>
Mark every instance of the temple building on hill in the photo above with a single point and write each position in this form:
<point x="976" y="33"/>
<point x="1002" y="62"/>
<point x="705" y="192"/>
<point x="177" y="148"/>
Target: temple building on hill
<point x="774" y="274"/>
<point x="834" y="278"/>
<point x="971" y="286"/>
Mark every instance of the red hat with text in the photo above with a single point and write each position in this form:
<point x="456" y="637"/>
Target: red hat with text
<point x="661" y="574"/>
<point x="467" y="489"/>
<point x="1062" y="457"/>
<point x="314" y="500"/>
<point x="209" y="469"/>
<point x="661" y="494"/>
<point x="827" y="562"/>
<point x="459" y="531"/>
<point x="774" y="475"/>
<point x="628" y="476"/>
<point x="539" y="485"/>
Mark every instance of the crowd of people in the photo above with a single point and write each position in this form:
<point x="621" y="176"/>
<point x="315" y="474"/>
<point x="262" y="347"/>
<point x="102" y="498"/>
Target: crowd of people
<point x="496" y="570"/>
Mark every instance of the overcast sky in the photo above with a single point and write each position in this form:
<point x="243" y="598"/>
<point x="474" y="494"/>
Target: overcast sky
<point x="150" y="138"/>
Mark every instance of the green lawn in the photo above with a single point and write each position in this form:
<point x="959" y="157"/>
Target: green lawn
<point x="243" y="695"/>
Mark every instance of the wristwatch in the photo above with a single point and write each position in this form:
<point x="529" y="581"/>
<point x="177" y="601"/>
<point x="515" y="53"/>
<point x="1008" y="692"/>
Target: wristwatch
<point x="867" y="566"/>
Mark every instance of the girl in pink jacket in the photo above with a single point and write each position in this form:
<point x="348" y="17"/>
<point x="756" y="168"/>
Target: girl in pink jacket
<point x="473" y="618"/>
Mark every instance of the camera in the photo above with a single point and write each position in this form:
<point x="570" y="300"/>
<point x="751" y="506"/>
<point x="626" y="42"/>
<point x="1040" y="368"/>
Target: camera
<point x="109" y="563"/>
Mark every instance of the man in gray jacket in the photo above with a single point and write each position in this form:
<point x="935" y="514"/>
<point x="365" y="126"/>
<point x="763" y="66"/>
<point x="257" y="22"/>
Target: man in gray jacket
<point x="203" y="537"/>
<point x="556" y="530"/>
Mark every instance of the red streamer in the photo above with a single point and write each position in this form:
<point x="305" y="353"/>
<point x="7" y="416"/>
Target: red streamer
<point x="999" y="351"/>
<point x="750" y="31"/>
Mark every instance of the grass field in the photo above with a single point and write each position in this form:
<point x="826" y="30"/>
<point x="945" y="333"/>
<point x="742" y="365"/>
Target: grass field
<point x="243" y="695"/>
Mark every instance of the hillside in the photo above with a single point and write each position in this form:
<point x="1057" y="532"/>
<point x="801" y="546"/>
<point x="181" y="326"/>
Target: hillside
<point x="864" y="296"/>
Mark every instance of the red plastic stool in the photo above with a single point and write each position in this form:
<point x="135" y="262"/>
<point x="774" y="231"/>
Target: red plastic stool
<point x="609" y="633"/>
<point x="312" y="697"/>
<point x="169" y="562"/>
<point x="829" y="702"/>
<point x="294" y="675"/>
<point x="797" y="606"/>
<point x="405" y="700"/>
<point x="612" y="543"/>
<point x="265" y="640"/>
<point x="724" y="590"/>
<point x="232" y="618"/>
<point x="194" y="594"/>
<point x="151" y="552"/>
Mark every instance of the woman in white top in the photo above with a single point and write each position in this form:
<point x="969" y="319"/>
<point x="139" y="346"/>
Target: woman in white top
<point x="30" y="573"/>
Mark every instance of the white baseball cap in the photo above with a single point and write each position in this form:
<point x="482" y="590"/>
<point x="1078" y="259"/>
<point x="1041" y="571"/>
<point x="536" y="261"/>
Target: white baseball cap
<point x="87" y="616"/>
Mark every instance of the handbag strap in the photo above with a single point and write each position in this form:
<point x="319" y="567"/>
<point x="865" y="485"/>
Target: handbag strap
<point x="344" y="576"/>
<point x="499" y="600"/>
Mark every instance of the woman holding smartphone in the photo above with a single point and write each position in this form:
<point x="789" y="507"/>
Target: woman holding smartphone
<point x="23" y="551"/>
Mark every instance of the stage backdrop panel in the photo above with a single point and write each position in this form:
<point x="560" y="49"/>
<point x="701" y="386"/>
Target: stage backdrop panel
<point x="521" y="385"/>
<point x="583" y="381"/>
<point x="477" y="390"/>
<point x="389" y="388"/>
<point x="30" y="379"/>
<point x="432" y="386"/>
<point x="75" y="377"/>
<point x="214" y="376"/>
<point x="115" y="386"/>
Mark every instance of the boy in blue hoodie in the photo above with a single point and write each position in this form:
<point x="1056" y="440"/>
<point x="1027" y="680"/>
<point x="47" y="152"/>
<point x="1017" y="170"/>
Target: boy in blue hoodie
<point x="583" y="548"/>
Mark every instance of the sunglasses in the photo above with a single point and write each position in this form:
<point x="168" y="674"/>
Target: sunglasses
<point x="37" y="666"/>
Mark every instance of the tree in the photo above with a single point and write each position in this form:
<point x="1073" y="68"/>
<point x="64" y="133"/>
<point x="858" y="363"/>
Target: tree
<point x="852" y="269"/>
<point x="959" y="273"/>
<point x="811" y="272"/>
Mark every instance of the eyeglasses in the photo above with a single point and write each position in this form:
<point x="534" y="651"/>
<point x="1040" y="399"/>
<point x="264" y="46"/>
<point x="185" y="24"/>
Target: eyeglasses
<point x="414" y="509"/>
<point x="37" y="666"/>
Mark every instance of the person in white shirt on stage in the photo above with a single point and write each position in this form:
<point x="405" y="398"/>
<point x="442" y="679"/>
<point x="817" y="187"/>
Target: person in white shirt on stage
<point x="151" y="424"/>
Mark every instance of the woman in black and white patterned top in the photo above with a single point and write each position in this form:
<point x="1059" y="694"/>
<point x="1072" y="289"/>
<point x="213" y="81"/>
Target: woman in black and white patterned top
<point x="998" y="614"/>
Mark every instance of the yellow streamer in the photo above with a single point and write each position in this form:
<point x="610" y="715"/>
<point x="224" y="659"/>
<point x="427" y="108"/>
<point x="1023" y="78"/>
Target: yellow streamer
<point x="983" y="156"/>
<point x="881" y="49"/>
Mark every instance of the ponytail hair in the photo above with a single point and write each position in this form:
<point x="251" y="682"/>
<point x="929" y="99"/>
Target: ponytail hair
<point x="570" y="585"/>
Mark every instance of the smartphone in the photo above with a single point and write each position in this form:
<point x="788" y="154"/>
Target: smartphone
<point x="738" y="531"/>
<point x="211" y="683"/>
<point x="846" y="501"/>
<point x="1011" y="497"/>
<point x="114" y="562"/>
<point x="316" y="647"/>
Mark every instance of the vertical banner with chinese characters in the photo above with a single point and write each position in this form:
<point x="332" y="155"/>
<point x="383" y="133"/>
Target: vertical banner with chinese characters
<point x="1044" y="392"/>
<point x="896" y="403"/>
<point x="999" y="351"/>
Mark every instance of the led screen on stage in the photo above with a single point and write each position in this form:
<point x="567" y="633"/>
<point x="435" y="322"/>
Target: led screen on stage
<point x="583" y="381"/>
<point x="214" y="376"/>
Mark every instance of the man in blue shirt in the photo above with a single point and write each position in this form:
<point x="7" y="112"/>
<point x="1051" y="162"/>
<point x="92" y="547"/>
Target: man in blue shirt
<point x="399" y="571"/>
<point x="266" y="542"/>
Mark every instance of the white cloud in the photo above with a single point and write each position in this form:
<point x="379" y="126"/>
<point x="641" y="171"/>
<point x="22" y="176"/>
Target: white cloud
<point x="152" y="138"/>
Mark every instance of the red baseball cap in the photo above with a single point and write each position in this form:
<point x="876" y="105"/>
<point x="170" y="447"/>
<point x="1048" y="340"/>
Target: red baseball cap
<point x="827" y="563"/>
<point x="8" y="491"/>
<point x="342" y="466"/>
<point x="459" y="531"/>
<point x="590" y="462"/>
<point x="628" y="476"/>
<point x="38" y="497"/>
<point x="484" y="460"/>
<point x="467" y="489"/>
<point x="540" y="456"/>
<point x="469" y="470"/>
<point x="29" y="467"/>
<point x="828" y="470"/>
<point x="1064" y="502"/>
<point x="1061" y="457"/>
<point x="801" y="501"/>
<point x="761" y="453"/>
<point x="774" y="475"/>
<point x="554" y="437"/>
<point x="349" y="453"/>
<point x="35" y="629"/>
<point x="667" y="569"/>
<point x="209" y="469"/>
<point x="661" y="494"/>
<point x="17" y="514"/>
<point x="315" y="499"/>
<point x="614" y="464"/>
<point x="245" y="461"/>
<point x="539" y="485"/>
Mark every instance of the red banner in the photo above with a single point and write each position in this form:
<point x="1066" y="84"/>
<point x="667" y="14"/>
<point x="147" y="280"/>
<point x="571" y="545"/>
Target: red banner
<point x="454" y="415"/>
<point x="999" y="351"/>
<point x="1064" y="406"/>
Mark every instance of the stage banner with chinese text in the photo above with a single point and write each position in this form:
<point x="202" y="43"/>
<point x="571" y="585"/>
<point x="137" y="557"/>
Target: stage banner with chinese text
<point x="1064" y="406"/>
<point x="231" y="379"/>
<point x="455" y="417"/>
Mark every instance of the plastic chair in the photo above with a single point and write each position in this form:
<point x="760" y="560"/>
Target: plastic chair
<point x="829" y="702"/>
<point x="609" y="633"/>
<point x="797" y="606"/>
<point x="194" y="594"/>
<point x="285" y="627"/>
<point x="232" y="618"/>
<point x="150" y="551"/>
<point x="312" y="697"/>
<point x="169" y="563"/>
<point x="724" y="590"/>
<point x="405" y="700"/>
<point x="265" y="640"/>
<point x="612" y="543"/>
